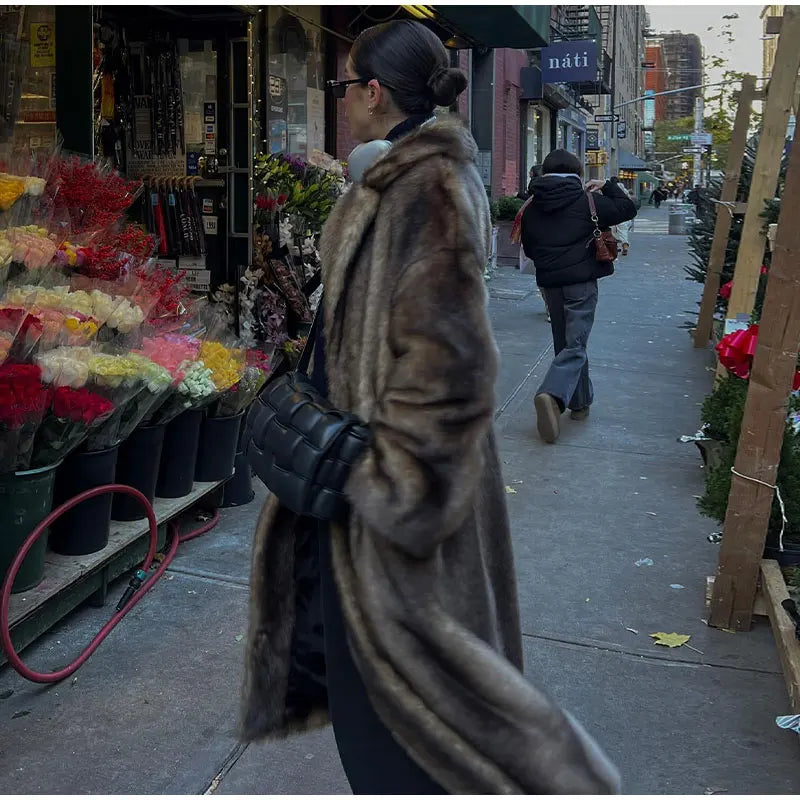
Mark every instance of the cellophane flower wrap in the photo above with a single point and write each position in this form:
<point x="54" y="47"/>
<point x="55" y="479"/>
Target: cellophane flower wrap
<point x="119" y="378"/>
<point x="11" y="321"/>
<point x="27" y="187"/>
<point x="91" y="197"/>
<point x="72" y="416"/>
<point x="241" y="395"/>
<point x="158" y="385"/>
<point x="66" y="317"/>
<point x="107" y="255"/>
<point x="24" y="399"/>
<point x="176" y="348"/>
<point x="122" y="306"/>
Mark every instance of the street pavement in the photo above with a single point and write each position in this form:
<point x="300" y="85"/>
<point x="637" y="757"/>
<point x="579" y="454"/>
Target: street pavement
<point x="609" y="548"/>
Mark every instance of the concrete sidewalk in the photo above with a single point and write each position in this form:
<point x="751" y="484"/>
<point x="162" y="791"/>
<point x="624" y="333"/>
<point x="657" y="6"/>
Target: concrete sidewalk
<point x="153" y="711"/>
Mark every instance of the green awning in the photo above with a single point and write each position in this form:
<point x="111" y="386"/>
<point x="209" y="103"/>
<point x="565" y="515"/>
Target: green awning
<point x="518" y="27"/>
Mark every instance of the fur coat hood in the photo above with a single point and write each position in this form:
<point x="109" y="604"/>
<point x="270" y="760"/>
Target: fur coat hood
<point x="424" y="565"/>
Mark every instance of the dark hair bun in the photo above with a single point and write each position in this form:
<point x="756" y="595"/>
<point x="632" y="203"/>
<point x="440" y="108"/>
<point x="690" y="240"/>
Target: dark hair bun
<point x="446" y="85"/>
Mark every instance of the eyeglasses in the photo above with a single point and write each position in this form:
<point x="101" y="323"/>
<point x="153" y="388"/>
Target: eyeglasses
<point x="338" y="88"/>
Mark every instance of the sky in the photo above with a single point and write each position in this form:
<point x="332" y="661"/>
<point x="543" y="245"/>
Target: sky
<point x="743" y="54"/>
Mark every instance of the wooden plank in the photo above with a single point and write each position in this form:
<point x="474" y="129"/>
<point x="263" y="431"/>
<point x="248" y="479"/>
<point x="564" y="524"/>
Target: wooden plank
<point x="777" y="109"/>
<point x="759" y="608"/>
<point x="722" y="228"/>
<point x="759" y="448"/>
<point x="61" y="572"/>
<point x="783" y="628"/>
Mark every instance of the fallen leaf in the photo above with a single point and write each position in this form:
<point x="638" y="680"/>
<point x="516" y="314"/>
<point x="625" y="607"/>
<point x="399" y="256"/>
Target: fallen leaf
<point x="74" y="681"/>
<point x="239" y="637"/>
<point x="510" y="490"/>
<point x="517" y="483"/>
<point x="20" y="714"/>
<point x="644" y="562"/>
<point x="670" y="639"/>
<point x="632" y="630"/>
<point x="652" y="514"/>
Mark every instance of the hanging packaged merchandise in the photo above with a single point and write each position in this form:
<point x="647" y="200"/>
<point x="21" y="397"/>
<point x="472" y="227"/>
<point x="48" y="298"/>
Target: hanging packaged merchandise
<point x="172" y="214"/>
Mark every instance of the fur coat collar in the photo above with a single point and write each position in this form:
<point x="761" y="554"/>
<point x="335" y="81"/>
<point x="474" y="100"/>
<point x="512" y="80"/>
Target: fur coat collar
<point x="424" y="565"/>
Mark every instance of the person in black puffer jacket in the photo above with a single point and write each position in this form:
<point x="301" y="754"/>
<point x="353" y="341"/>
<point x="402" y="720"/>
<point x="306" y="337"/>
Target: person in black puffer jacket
<point x="557" y="235"/>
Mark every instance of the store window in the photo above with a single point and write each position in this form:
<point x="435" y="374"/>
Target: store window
<point x="295" y="82"/>
<point x="533" y="138"/>
<point x="563" y="136"/>
<point x="27" y="78"/>
<point x="576" y="143"/>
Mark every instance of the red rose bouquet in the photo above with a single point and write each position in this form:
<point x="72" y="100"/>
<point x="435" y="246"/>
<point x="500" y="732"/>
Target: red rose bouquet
<point x="73" y="415"/>
<point x="24" y="399"/>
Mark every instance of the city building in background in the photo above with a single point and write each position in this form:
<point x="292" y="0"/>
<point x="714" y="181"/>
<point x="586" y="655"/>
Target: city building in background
<point x="683" y="56"/>
<point x="655" y="76"/>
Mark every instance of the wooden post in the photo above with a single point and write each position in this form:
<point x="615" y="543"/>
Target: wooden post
<point x="758" y="452"/>
<point x="722" y="229"/>
<point x="767" y="167"/>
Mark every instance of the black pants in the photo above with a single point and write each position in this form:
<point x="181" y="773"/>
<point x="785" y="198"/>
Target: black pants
<point x="373" y="761"/>
<point x="571" y="318"/>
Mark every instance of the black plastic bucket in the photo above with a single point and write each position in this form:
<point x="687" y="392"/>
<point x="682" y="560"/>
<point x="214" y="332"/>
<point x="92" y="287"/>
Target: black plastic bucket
<point x="25" y="500"/>
<point x="137" y="466"/>
<point x="239" y="489"/>
<point x="788" y="557"/>
<point x="217" y="450"/>
<point x="179" y="455"/>
<point x="85" y="528"/>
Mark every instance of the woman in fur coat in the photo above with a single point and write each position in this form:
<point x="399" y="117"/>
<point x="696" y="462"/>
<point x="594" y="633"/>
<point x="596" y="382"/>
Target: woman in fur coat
<point x="401" y="625"/>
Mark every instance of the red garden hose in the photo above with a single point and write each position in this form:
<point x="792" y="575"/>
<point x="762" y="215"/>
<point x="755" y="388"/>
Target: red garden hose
<point x="131" y="597"/>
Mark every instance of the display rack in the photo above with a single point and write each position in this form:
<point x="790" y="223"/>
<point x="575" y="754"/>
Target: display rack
<point x="72" y="580"/>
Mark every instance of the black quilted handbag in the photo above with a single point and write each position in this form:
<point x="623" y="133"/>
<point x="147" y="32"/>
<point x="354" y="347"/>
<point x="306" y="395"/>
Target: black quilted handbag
<point x="301" y="447"/>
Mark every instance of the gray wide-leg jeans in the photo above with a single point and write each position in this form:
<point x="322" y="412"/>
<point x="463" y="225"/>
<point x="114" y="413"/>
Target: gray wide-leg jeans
<point x="571" y="317"/>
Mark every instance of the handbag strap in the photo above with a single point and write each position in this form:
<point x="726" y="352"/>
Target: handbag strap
<point x="305" y="356"/>
<point x="593" y="214"/>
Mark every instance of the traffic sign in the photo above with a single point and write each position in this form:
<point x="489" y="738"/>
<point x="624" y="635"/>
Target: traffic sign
<point x="606" y="117"/>
<point x="622" y="129"/>
<point x="693" y="150"/>
<point x="702" y="138"/>
<point x="679" y="137"/>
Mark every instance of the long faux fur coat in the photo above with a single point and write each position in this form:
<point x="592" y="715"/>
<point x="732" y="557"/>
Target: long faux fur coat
<point x="424" y="566"/>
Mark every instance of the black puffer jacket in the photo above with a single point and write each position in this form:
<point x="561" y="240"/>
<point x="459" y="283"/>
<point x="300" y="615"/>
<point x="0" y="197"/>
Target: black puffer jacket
<point x="557" y="229"/>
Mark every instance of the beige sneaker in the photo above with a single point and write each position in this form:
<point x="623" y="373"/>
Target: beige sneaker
<point x="548" y="417"/>
<point x="580" y="413"/>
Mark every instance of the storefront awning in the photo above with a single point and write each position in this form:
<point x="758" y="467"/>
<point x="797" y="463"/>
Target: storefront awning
<point x="630" y="161"/>
<point x="519" y="27"/>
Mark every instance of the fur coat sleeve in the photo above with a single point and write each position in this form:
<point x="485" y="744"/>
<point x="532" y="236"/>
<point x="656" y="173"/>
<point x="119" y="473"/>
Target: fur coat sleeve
<point x="418" y="482"/>
<point x="424" y="565"/>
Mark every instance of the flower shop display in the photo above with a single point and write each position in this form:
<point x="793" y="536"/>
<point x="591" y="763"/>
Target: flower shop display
<point x="275" y="297"/>
<point x="72" y="415"/>
<point x="26" y="498"/>
<point x="179" y="454"/>
<point x="24" y="400"/>
<point x="219" y="434"/>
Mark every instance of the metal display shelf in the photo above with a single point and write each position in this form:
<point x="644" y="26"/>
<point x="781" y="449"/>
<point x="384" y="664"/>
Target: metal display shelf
<point x="71" y="580"/>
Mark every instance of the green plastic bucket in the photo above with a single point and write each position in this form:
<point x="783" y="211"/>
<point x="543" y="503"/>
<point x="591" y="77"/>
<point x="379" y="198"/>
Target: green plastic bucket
<point x="26" y="498"/>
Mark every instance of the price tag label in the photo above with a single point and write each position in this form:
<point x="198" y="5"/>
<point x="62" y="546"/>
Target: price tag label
<point x="210" y="226"/>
